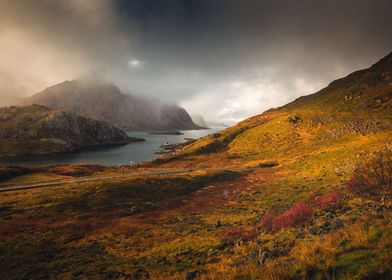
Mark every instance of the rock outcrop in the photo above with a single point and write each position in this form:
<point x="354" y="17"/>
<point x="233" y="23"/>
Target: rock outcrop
<point x="37" y="129"/>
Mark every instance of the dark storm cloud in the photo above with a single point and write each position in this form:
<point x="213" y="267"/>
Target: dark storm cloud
<point x="225" y="59"/>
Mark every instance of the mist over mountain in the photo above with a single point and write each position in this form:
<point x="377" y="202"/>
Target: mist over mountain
<point x="199" y="120"/>
<point x="105" y="101"/>
<point x="217" y="123"/>
<point x="243" y="56"/>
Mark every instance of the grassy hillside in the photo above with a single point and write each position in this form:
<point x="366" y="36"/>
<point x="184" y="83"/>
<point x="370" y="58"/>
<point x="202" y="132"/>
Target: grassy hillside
<point x="291" y="217"/>
<point x="350" y="108"/>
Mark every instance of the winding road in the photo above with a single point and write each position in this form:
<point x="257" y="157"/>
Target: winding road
<point x="90" y="179"/>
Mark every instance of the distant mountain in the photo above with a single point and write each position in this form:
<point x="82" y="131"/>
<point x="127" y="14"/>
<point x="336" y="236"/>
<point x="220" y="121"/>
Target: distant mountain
<point x="105" y="101"/>
<point x="37" y="129"/>
<point x="8" y="99"/>
<point x="216" y="123"/>
<point x="199" y="120"/>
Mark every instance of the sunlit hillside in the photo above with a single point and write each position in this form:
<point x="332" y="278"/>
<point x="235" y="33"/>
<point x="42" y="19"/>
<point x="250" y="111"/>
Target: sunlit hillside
<point x="265" y="199"/>
<point x="355" y="108"/>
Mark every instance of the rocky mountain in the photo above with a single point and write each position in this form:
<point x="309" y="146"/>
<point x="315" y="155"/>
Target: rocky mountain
<point x="105" y="101"/>
<point x="37" y="129"/>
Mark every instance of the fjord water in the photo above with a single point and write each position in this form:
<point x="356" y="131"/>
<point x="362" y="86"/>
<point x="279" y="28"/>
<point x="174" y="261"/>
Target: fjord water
<point x="119" y="155"/>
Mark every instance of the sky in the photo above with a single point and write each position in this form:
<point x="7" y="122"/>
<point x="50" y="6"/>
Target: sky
<point x="223" y="59"/>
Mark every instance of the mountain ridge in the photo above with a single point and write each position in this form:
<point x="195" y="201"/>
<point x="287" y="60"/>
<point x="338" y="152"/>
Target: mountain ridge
<point x="105" y="101"/>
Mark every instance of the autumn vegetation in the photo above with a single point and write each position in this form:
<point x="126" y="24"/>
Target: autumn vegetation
<point x="306" y="208"/>
<point x="297" y="215"/>
<point x="372" y="178"/>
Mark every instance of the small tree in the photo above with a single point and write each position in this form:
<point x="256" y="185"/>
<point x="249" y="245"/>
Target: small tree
<point x="372" y="178"/>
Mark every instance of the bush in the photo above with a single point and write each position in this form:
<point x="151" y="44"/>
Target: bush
<point x="266" y="222"/>
<point x="298" y="215"/>
<point x="372" y="178"/>
<point x="268" y="164"/>
<point x="326" y="202"/>
<point x="240" y="233"/>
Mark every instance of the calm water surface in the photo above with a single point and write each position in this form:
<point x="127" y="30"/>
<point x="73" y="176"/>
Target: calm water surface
<point x="120" y="155"/>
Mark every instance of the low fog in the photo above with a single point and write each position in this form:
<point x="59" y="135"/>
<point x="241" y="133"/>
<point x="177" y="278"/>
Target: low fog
<point x="224" y="60"/>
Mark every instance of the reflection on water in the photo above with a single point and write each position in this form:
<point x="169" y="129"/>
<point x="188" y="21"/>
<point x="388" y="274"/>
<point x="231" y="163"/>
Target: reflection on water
<point x="120" y="155"/>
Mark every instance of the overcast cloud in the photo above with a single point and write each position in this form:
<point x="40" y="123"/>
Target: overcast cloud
<point x="225" y="60"/>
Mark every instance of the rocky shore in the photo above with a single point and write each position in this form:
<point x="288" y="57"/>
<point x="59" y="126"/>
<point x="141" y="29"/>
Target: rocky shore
<point x="167" y="148"/>
<point x="37" y="130"/>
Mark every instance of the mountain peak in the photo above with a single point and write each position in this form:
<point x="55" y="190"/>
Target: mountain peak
<point x="103" y="100"/>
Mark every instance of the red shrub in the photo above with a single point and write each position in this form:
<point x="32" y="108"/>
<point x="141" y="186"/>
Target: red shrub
<point x="299" y="214"/>
<point x="326" y="201"/>
<point x="266" y="222"/>
<point x="237" y="233"/>
<point x="249" y="233"/>
<point x="233" y="233"/>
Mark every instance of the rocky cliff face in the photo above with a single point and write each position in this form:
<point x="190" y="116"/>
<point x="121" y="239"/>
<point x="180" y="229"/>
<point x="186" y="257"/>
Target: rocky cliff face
<point x="39" y="130"/>
<point x="104" y="101"/>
